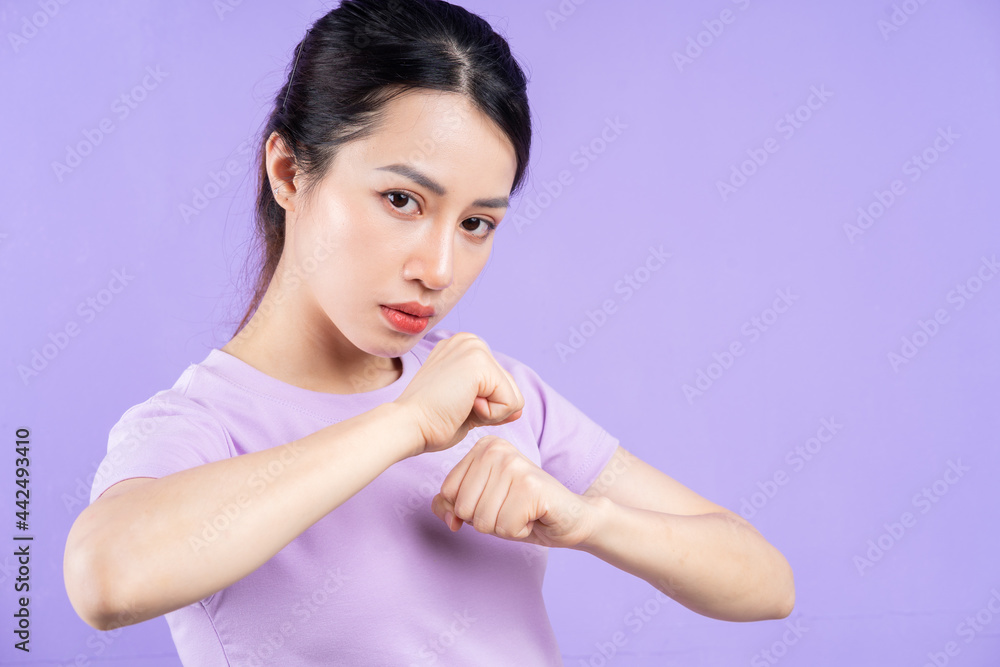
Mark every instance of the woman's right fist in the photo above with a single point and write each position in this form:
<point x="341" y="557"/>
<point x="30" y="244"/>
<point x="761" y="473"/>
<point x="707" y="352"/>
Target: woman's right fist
<point x="459" y="387"/>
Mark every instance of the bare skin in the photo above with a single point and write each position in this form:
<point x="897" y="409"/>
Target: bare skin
<point x="351" y="248"/>
<point x="348" y="249"/>
<point x="366" y="237"/>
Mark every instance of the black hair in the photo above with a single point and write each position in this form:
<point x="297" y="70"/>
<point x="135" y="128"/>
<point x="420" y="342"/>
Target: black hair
<point x="355" y="59"/>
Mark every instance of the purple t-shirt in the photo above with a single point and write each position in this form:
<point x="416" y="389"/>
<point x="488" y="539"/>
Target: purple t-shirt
<point x="380" y="580"/>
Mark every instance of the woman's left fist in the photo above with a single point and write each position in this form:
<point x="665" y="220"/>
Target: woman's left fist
<point x="500" y="491"/>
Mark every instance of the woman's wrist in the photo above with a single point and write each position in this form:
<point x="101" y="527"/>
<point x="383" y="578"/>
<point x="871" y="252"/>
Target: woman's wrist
<point x="403" y="429"/>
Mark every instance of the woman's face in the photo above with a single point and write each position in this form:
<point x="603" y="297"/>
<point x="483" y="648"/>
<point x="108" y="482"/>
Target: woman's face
<point x="403" y="216"/>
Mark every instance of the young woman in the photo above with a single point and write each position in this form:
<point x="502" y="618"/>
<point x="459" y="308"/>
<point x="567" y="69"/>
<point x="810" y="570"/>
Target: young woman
<point x="341" y="484"/>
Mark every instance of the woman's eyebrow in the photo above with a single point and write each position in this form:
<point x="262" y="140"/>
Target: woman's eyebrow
<point x="419" y="177"/>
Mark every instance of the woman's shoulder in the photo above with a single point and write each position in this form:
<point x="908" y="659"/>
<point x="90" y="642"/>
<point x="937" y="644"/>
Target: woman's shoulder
<point x="165" y="433"/>
<point x="183" y="400"/>
<point x="179" y="417"/>
<point x="167" y="412"/>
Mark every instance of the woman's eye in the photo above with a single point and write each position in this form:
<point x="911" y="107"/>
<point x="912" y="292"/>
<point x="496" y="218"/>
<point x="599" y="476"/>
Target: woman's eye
<point x="481" y="228"/>
<point x="486" y="227"/>
<point x="398" y="200"/>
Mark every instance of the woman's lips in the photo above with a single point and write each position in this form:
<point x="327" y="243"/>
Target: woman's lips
<point x="404" y="322"/>
<point x="412" y="308"/>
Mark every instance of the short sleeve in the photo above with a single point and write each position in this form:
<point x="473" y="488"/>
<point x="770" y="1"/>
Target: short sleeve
<point x="572" y="447"/>
<point x="165" y="434"/>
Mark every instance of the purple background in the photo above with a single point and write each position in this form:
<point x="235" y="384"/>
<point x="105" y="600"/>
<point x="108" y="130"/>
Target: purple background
<point x="686" y="127"/>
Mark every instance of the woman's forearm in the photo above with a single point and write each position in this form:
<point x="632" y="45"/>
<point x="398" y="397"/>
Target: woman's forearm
<point x="715" y="564"/>
<point x="174" y="540"/>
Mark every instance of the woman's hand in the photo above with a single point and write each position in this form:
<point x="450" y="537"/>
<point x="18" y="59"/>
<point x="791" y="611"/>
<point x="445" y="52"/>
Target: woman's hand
<point x="459" y="387"/>
<point x="502" y="492"/>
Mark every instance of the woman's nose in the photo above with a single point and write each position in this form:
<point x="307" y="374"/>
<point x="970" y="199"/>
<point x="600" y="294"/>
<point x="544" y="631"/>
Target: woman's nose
<point x="432" y="259"/>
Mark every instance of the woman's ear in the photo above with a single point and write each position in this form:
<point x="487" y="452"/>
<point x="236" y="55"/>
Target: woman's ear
<point x="281" y="171"/>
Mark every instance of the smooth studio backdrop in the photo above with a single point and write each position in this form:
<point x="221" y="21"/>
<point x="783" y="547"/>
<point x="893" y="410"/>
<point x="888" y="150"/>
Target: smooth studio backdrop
<point x="759" y="245"/>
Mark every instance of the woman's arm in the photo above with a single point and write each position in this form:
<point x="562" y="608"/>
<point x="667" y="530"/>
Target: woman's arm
<point x="635" y="518"/>
<point x="144" y="547"/>
<point x="702" y="555"/>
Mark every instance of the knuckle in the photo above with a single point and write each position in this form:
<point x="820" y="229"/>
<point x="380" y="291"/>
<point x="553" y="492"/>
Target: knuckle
<point x="462" y="511"/>
<point x="463" y="336"/>
<point x="492" y="444"/>
<point x="530" y="484"/>
<point x="501" y="452"/>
